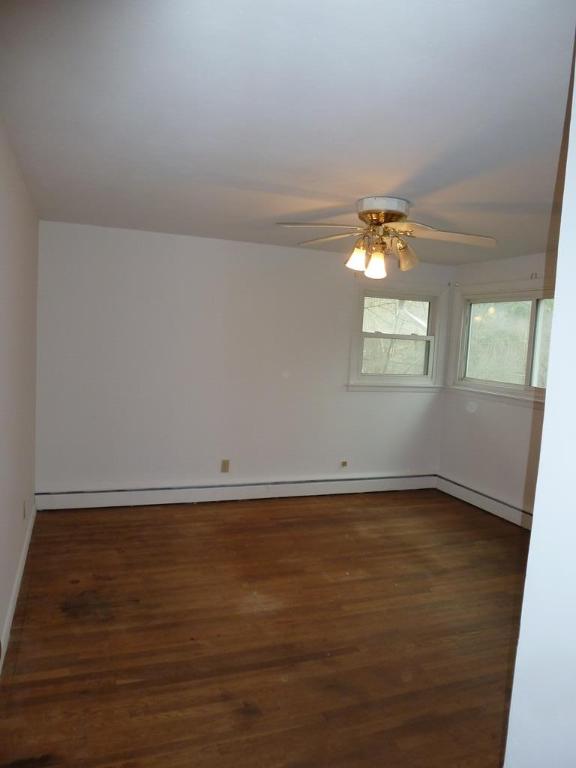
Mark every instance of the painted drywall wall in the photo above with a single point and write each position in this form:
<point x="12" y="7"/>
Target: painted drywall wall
<point x="18" y="272"/>
<point x="492" y="444"/>
<point x="160" y="355"/>
<point x="533" y="269"/>
<point x="541" y="725"/>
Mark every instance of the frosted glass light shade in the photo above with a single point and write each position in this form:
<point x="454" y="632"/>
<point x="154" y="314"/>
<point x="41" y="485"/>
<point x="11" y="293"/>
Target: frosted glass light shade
<point x="357" y="260"/>
<point x="407" y="259"/>
<point x="376" y="268"/>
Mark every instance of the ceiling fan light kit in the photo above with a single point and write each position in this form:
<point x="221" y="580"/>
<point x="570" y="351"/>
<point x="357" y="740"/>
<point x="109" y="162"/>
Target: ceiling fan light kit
<point x="385" y="226"/>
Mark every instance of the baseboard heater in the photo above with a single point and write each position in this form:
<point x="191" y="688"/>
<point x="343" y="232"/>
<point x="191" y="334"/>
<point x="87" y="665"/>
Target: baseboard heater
<point x="179" y="494"/>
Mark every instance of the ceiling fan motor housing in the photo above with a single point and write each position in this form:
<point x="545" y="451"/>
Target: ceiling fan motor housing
<point x="381" y="210"/>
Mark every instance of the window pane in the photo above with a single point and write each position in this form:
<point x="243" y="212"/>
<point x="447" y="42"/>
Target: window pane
<point x="395" y="356"/>
<point x="542" y="342"/>
<point x="498" y="341"/>
<point x="401" y="316"/>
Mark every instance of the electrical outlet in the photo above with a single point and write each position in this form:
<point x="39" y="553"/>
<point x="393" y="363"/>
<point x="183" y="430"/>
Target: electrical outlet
<point x="225" y="465"/>
<point x="344" y="463"/>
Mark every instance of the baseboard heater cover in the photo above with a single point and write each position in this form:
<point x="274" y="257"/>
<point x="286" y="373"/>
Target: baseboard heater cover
<point x="182" y="494"/>
<point x="231" y="491"/>
<point x="513" y="514"/>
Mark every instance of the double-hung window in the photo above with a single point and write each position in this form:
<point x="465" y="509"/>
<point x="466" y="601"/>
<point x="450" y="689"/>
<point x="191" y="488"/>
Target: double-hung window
<point x="395" y="345"/>
<point x="505" y="343"/>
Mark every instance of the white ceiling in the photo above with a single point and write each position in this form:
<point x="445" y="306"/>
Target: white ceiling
<point x="218" y="118"/>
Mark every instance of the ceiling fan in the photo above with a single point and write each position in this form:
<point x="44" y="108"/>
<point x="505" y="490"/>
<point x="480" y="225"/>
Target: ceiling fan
<point x="384" y="227"/>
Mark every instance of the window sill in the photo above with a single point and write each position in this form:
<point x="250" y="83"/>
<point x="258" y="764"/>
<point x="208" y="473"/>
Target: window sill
<point x="526" y="399"/>
<point x="529" y="399"/>
<point x="393" y="387"/>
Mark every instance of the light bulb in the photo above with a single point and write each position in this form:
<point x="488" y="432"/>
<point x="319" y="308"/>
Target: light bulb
<point x="376" y="268"/>
<point x="357" y="258"/>
<point x="407" y="259"/>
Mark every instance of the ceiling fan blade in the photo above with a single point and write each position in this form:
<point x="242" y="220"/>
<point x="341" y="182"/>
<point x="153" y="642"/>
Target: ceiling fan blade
<point x="481" y="241"/>
<point x="415" y="229"/>
<point x="316" y="224"/>
<point x="327" y="238"/>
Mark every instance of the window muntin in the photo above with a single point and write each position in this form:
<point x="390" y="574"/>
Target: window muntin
<point x="507" y="342"/>
<point x="396" y="341"/>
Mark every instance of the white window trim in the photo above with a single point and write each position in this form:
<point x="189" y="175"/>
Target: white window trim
<point x="358" y="381"/>
<point x="464" y="297"/>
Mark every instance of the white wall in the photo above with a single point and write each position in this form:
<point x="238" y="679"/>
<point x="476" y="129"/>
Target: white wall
<point x="159" y="355"/>
<point x="491" y="444"/>
<point x="18" y="263"/>
<point x="543" y="713"/>
<point x="534" y="268"/>
<point x="162" y="354"/>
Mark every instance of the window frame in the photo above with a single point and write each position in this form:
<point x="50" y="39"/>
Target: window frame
<point x="524" y="391"/>
<point x="405" y="381"/>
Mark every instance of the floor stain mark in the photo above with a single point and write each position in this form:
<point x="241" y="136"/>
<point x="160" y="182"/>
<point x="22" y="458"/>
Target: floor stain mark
<point x="249" y="709"/>
<point x="89" y="604"/>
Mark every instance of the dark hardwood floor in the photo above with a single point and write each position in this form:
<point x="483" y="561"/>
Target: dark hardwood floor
<point x="324" y="632"/>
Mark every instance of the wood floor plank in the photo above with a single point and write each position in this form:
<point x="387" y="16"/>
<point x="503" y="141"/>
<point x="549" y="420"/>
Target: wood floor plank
<point x="333" y="631"/>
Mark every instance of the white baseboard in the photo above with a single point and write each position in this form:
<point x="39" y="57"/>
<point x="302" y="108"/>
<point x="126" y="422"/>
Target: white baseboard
<point x="488" y="503"/>
<point x="232" y="491"/>
<point x="5" y="637"/>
